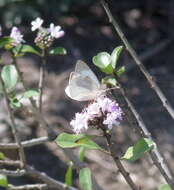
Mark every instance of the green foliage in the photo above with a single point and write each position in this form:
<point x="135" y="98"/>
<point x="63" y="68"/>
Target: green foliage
<point x="6" y="42"/>
<point x="58" y="51"/>
<point x="3" y="181"/>
<point x="10" y="77"/>
<point x="82" y="152"/>
<point x="69" y="175"/>
<point x="109" y="80"/>
<point x="66" y="140"/>
<point x="138" y="150"/>
<point x="21" y="49"/>
<point x="108" y="63"/>
<point x="31" y="93"/>
<point x="165" y="187"/>
<point x="2" y="156"/>
<point x="85" y="179"/>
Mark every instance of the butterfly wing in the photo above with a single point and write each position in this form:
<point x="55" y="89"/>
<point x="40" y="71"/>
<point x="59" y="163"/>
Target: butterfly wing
<point x="83" y="84"/>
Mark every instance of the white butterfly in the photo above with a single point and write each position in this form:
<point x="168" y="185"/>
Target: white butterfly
<point x="83" y="84"/>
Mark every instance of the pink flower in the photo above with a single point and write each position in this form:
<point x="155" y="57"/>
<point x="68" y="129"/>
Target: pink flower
<point x="102" y="111"/>
<point x="16" y="35"/>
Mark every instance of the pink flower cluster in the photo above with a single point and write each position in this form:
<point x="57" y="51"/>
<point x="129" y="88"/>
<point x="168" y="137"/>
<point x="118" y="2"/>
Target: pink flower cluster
<point x="102" y="111"/>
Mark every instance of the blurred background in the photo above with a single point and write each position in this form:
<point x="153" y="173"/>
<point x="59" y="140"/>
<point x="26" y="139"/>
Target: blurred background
<point x="149" y="26"/>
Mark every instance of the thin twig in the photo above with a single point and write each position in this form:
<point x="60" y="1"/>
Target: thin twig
<point x="15" y="163"/>
<point x="16" y="173"/>
<point x="52" y="183"/>
<point x="28" y="143"/>
<point x="154" y="153"/>
<point x="28" y="187"/>
<point x="41" y="78"/>
<point x="38" y="116"/>
<point x="136" y="59"/>
<point x="13" y="125"/>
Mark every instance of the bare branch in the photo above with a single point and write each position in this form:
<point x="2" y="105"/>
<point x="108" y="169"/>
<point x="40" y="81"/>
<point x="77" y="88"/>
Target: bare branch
<point x="136" y="59"/>
<point x="16" y="173"/>
<point x="29" y="143"/>
<point x="28" y="187"/>
<point x="13" y="125"/>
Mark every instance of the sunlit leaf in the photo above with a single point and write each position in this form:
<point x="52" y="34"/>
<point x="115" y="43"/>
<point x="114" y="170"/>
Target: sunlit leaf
<point x="109" y="80"/>
<point x="2" y="156"/>
<point x="58" y="51"/>
<point x="31" y="93"/>
<point x="165" y="187"/>
<point x="65" y="140"/>
<point x="85" y="179"/>
<point x="82" y="153"/>
<point x="115" y="56"/>
<point x="6" y="41"/>
<point x="3" y="181"/>
<point x="103" y="62"/>
<point x="120" y="71"/>
<point x="10" y="76"/>
<point x="69" y="175"/>
<point x="139" y="149"/>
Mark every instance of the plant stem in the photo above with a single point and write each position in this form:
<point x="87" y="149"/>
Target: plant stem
<point x="117" y="161"/>
<point x="13" y="125"/>
<point x="41" y="77"/>
<point x="136" y="59"/>
<point x="156" y="156"/>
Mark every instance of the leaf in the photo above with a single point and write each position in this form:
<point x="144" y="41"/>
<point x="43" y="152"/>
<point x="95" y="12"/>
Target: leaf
<point x="2" y="156"/>
<point x="58" y="51"/>
<point x="15" y="103"/>
<point x="22" y="49"/>
<point x="103" y="61"/>
<point x="120" y="71"/>
<point x="6" y="41"/>
<point x="31" y="93"/>
<point x="69" y="175"/>
<point x="82" y="153"/>
<point x="138" y="150"/>
<point x="115" y="56"/>
<point x="109" y="80"/>
<point x="65" y="140"/>
<point x="3" y="181"/>
<point x="10" y="76"/>
<point x="165" y="187"/>
<point x="85" y="179"/>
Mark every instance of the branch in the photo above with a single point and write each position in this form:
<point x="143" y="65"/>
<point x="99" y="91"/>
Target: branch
<point x="13" y="125"/>
<point x="16" y="173"/>
<point x="155" y="154"/>
<point x="28" y="187"/>
<point x="117" y="161"/>
<point x="135" y="57"/>
<point x="41" y="78"/>
<point x="28" y="143"/>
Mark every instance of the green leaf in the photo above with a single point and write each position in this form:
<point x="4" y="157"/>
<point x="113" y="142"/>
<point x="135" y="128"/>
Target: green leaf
<point x="165" y="187"/>
<point x="3" y="181"/>
<point x="10" y="76"/>
<point x="138" y="150"/>
<point x="31" y="93"/>
<point x="120" y="71"/>
<point x="109" y="80"/>
<point x="103" y="62"/>
<point x="58" y="51"/>
<point x="21" y="49"/>
<point x="85" y="179"/>
<point x="2" y="156"/>
<point x="82" y="153"/>
<point x="6" y="41"/>
<point x="115" y="56"/>
<point x="65" y="140"/>
<point x="69" y="175"/>
<point x="15" y="103"/>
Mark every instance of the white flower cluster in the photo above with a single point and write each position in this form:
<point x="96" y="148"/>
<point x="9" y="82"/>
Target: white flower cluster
<point x="103" y="112"/>
<point x="55" y="31"/>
